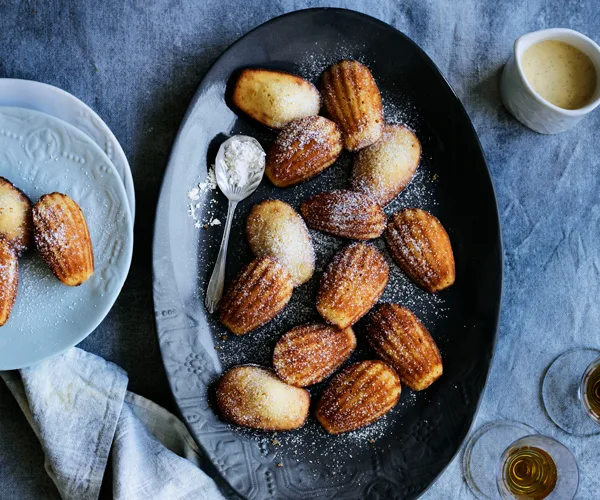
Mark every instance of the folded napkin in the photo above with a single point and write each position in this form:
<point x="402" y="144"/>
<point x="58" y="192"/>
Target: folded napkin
<point x="79" y="408"/>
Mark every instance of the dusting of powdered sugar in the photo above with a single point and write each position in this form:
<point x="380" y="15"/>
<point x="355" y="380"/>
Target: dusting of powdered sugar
<point x="242" y="161"/>
<point x="208" y="183"/>
<point x="311" y="445"/>
<point x="312" y="65"/>
<point x="201" y="196"/>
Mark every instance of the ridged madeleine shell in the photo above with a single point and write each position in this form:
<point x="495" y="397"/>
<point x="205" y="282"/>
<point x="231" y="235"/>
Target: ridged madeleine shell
<point x="400" y="339"/>
<point x="256" y="295"/>
<point x="275" y="229"/>
<point x="254" y="397"/>
<point x="275" y="98"/>
<point x="302" y="150"/>
<point x="308" y="354"/>
<point x="15" y="216"/>
<point x="344" y="213"/>
<point x="9" y="279"/>
<point x="420" y="245"/>
<point x="385" y="168"/>
<point x="353" y="101"/>
<point x="62" y="237"/>
<point x="352" y="284"/>
<point x="358" y="396"/>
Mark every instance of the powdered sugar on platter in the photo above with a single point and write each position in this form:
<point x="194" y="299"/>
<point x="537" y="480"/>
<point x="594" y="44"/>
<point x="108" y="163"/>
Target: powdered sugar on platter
<point x="197" y="198"/>
<point x="311" y="443"/>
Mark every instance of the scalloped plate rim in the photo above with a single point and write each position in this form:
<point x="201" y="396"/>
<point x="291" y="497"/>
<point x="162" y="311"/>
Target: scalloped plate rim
<point x="34" y="95"/>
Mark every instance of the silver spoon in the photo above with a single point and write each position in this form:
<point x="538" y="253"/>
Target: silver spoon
<point x="234" y="194"/>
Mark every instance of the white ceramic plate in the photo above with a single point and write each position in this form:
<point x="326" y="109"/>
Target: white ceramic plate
<point x="60" y="104"/>
<point x="41" y="154"/>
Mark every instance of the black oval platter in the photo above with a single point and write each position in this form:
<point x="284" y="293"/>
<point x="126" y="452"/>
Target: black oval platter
<point x="400" y="456"/>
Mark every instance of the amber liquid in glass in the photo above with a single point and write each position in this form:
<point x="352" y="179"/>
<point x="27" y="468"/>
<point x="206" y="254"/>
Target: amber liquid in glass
<point x="592" y="392"/>
<point x="529" y="473"/>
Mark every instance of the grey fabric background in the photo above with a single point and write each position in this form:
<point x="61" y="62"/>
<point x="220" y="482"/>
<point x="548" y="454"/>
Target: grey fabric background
<point x="138" y="64"/>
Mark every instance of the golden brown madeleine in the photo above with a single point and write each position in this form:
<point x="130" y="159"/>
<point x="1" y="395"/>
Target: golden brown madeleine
<point x="344" y="213"/>
<point x="421" y="247"/>
<point x="303" y="149"/>
<point x="385" y="168"/>
<point x="9" y="278"/>
<point x="257" y="294"/>
<point x="62" y="237"/>
<point x="400" y="339"/>
<point x="275" y="229"/>
<point x="275" y="98"/>
<point x="253" y="396"/>
<point x="352" y="100"/>
<point x="15" y="216"/>
<point x="358" y="396"/>
<point x="352" y="283"/>
<point x="308" y="354"/>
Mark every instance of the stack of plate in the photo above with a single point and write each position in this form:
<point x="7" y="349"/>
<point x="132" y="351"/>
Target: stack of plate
<point x="51" y="141"/>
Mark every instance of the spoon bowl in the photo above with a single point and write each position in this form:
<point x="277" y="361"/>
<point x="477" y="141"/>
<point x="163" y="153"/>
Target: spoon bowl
<point x="232" y="191"/>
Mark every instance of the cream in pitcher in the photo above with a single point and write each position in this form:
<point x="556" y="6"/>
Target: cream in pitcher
<point x="560" y="73"/>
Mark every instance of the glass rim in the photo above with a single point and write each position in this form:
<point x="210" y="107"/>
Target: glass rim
<point x="561" y="391"/>
<point x="542" y="438"/>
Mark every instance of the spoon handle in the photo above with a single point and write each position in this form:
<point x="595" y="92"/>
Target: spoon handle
<point x="214" y="292"/>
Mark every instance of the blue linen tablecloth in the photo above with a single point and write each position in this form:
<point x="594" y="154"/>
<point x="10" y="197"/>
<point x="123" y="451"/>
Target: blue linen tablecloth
<point x="138" y="63"/>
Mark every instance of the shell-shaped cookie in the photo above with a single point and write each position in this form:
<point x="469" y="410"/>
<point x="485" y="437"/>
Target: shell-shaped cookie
<point x="15" y="216"/>
<point x="308" y="354"/>
<point x="353" y="101"/>
<point x="344" y="213"/>
<point x="256" y="295"/>
<point x="303" y="149"/>
<point x="352" y="283"/>
<point x="385" y="168"/>
<point x="62" y="237"/>
<point x="358" y="396"/>
<point x="275" y="229"/>
<point x="275" y="98"/>
<point x="420" y="245"/>
<point x="254" y="397"/>
<point x="400" y="339"/>
<point x="9" y="279"/>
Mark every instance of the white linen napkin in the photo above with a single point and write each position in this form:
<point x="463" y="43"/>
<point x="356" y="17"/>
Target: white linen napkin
<point x="79" y="408"/>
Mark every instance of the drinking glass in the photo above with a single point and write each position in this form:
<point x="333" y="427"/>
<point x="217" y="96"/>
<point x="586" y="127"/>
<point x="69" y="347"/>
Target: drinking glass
<point x="510" y="460"/>
<point x="571" y="391"/>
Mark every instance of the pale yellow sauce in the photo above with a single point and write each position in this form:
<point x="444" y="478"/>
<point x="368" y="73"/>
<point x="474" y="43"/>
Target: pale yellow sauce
<point x="560" y="73"/>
